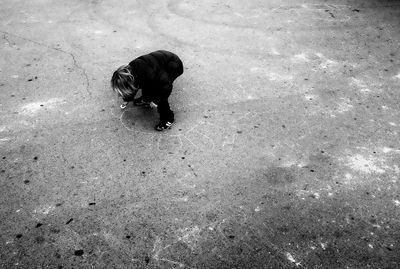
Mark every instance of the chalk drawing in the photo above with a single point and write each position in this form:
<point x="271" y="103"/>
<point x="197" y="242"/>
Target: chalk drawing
<point x="229" y="139"/>
<point x="157" y="251"/>
<point x="317" y="12"/>
<point x="200" y="136"/>
<point x="185" y="182"/>
<point x="190" y="236"/>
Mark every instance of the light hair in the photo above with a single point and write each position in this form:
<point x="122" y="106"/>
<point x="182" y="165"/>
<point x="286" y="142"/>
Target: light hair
<point x="122" y="82"/>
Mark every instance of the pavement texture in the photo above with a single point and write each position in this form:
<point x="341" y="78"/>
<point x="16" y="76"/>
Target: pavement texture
<point x="285" y="152"/>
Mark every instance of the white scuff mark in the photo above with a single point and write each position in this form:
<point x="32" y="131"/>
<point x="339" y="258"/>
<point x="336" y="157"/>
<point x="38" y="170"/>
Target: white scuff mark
<point x="344" y="106"/>
<point x="396" y="169"/>
<point x="2" y="128"/>
<point x="396" y="202"/>
<point x="361" y="85"/>
<point x="34" y="107"/>
<point x="370" y="246"/>
<point x="15" y="76"/>
<point x="44" y="210"/>
<point x="316" y="195"/>
<point x="292" y="259"/>
<point x="4" y="139"/>
<point x="98" y="32"/>
<point x="275" y="52"/>
<point x="183" y="199"/>
<point x="388" y="150"/>
<point x="385" y="108"/>
<point x="302" y="57"/>
<point x="190" y="236"/>
<point x="257" y="209"/>
<point x="310" y="97"/>
<point x="397" y="76"/>
<point x="376" y="226"/>
<point x="392" y="123"/>
<point x="364" y="165"/>
<point x="323" y="245"/>
<point x="328" y="63"/>
<point x="278" y="77"/>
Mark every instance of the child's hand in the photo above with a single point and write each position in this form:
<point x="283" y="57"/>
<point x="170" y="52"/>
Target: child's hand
<point x="153" y="105"/>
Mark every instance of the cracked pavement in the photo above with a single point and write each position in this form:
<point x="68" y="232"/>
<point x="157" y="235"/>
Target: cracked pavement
<point x="285" y="152"/>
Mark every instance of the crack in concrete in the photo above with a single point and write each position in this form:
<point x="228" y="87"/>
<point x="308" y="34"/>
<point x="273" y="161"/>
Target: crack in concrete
<point x="8" y="41"/>
<point x="74" y="61"/>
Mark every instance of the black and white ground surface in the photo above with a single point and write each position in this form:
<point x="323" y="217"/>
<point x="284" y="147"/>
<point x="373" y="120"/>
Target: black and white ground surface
<point x="285" y="152"/>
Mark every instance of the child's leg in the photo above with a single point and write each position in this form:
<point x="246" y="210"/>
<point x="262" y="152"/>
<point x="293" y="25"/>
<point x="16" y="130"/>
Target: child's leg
<point x="166" y="114"/>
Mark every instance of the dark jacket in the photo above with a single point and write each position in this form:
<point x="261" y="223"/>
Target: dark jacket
<point x="154" y="73"/>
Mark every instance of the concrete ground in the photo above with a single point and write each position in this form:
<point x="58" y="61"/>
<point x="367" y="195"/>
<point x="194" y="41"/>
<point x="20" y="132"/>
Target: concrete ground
<point x="285" y="152"/>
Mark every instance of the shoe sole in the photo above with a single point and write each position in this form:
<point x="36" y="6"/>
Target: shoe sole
<point x="169" y="125"/>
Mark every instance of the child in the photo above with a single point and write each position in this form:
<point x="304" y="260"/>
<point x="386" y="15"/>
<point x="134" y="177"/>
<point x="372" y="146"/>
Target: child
<point x="154" y="74"/>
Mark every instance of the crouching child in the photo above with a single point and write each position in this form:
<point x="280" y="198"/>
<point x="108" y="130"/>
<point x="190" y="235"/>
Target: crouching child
<point x="154" y="74"/>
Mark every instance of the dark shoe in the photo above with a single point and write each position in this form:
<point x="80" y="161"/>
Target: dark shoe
<point x="139" y="102"/>
<point x="163" y="126"/>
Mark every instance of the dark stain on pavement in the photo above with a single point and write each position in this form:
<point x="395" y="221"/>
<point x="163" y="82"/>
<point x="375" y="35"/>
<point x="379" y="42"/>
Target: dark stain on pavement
<point x="39" y="239"/>
<point x="279" y="176"/>
<point x="322" y="165"/>
<point x="79" y="252"/>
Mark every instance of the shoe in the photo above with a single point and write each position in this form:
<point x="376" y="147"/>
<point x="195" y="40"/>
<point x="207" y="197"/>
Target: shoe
<point x="163" y="126"/>
<point x="139" y="102"/>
